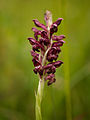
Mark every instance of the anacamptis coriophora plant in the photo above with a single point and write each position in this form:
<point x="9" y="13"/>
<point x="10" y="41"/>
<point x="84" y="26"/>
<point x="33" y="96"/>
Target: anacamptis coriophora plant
<point x="45" y="50"/>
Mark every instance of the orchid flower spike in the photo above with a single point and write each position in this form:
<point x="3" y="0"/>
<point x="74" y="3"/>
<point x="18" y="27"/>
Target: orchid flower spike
<point x="46" y="48"/>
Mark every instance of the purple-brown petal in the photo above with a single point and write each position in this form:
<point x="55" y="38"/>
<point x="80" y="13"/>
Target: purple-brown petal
<point x="36" y="44"/>
<point x="58" y="44"/>
<point x="36" y="33"/>
<point x="58" y="50"/>
<point x="54" y="26"/>
<point x="53" y="54"/>
<point x="50" y="76"/>
<point x="53" y="29"/>
<point x="44" y="34"/>
<point x="36" y="62"/>
<point x="35" y="48"/>
<point x="52" y="57"/>
<point x="44" y="41"/>
<point x="40" y="46"/>
<point x="57" y="63"/>
<point x="48" y="66"/>
<point x="51" y="81"/>
<point x="54" y="50"/>
<point x="36" y="69"/>
<point x="57" y="38"/>
<point x="58" y="21"/>
<point x="34" y="54"/>
<point x="38" y="24"/>
<point x="32" y="41"/>
<point x="53" y="69"/>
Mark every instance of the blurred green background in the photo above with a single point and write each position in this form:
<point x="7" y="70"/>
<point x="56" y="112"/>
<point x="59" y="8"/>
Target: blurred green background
<point x="18" y="83"/>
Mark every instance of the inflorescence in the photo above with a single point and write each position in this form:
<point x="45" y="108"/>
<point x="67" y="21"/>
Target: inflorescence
<point x="46" y="48"/>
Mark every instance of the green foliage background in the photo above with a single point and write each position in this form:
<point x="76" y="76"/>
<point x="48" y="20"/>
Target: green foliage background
<point x="18" y="83"/>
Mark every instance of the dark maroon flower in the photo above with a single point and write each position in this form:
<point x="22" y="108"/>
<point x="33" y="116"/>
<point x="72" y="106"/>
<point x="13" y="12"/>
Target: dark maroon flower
<point x="58" y="44"/>
<point x="38" y="69"/>
<point x="44" y="41"/>
<point x="32" y="41"/>
<point x="35" y="48"/>
<point x="51" y="78"/>
<point x="57" y="38"/>
<point x="57" y="63"/>
<point x="53" y="28"/>
<point x="34" y="54"/>
<point x="51" y="81"/>
<point x="51" y="67"/>
<point x="53" y="53"/>
<point x="51" y="70"/>
<point x="48" y="46"/>
<point x="58" y="21"/>
<point x="38" y="24"/>
<point x="36" y="44"/>
<point x="50" y="58"/>
<point x="36" y="62"/>
<point x="44" y="34"/>
<point x="36" y="33"/>
<point x="40" y="46"/>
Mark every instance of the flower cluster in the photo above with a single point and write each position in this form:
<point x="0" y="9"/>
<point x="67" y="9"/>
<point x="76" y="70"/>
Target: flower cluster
<point x="46" y="48"/>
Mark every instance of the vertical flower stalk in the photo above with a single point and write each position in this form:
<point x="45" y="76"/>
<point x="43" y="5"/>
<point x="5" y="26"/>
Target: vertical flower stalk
<point x="45" y="50"/>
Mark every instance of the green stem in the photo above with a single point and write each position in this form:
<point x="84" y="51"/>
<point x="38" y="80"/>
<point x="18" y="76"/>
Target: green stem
<point x="40" y="90"/>
<point x="39" y="99"/>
